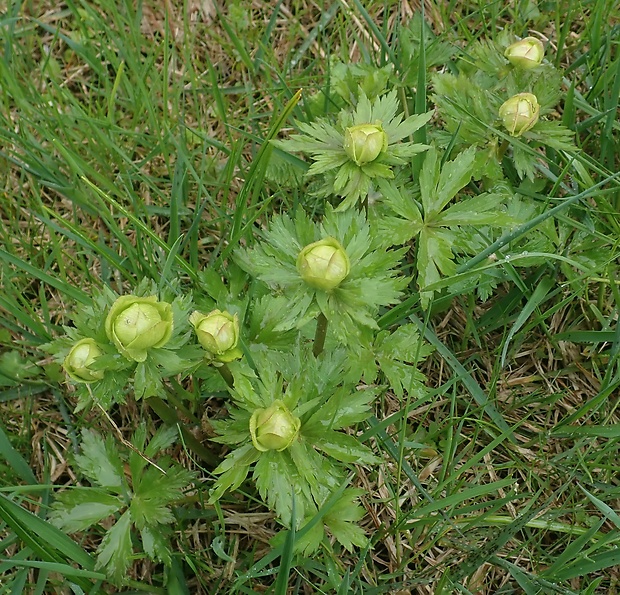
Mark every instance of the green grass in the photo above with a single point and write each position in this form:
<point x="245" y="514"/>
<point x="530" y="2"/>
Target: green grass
<point x="133" y="145"/>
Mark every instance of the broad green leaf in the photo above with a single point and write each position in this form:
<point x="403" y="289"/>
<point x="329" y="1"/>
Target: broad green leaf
<point x="342" y="518"/>
<point x="79" y="508"/>
<point x="155" y="492"/>
<point x="345" y="448"/>
<point x="484" y="209"/>
<point x="233" y="469"/>
<point x="155" y="545"/>
<point x="277" y="479"/>
<point x="100" y="460"/>
<point x="114" y="553"/>
<point x="454" y="176"/>
<point x="347" y="406"/>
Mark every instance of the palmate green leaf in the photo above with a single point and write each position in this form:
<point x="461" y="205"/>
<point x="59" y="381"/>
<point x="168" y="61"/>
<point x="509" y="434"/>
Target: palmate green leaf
<point x="233" y="469"/>
<point x="325" y="161"/>
<point x="396" y="131"/>
<point x="100" y="460"/>
<point x="553" y="134"/>
<point x="155" y="492"/>
<point x="320" y="474"/>
<point x="114" y="552"/>
<point x="434" y="256"/>
<point x="156" y="546"/>
<point x="438" y="187"/>
<point x="345" y="407"/>
<point x="485" y="209"/>
<point x="147" y="381"/>
<point x="80" y="508"/>
<point x="277" y="479"/>
<point x="402" y="205"/>
<point x="342" y="518"/>
<point x="344" y="448"/>
<point x="403" y="377"/>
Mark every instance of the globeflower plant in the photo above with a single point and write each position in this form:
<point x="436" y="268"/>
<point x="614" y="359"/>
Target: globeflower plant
<point x="364" y="144"/>
<point x="340" y="270"/>
<point x="287" y="423"/>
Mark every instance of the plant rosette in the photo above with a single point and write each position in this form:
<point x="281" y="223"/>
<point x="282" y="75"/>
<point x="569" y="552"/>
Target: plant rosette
<point x="365" y="143"/>
<point x="337" y="268"/>
<point x="287" y="423"/>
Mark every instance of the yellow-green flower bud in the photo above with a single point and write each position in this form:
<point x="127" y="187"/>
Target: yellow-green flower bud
<point x="323" y="264"/>
<point x="526" y="54"/>
<point x="78" y="362"/>
<point x="137" y="324"/>
<point x="218" y="333"/>
<point x="273" y="428"/>
<point x="363" y="143"/>
<point x="519" y="113"/>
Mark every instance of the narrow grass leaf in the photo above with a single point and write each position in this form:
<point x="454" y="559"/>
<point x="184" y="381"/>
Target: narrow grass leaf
<point x="15" y="460"/>
<point x="609" y="512"/>
<point x="537" y="297"/>
<point x="286" y="560"/>
<point x="465" y="377"/>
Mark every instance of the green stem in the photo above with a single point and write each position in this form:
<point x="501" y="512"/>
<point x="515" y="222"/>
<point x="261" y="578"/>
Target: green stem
<point x="226" y="374"/>
<point x="502" y="150"/>
<point x="168" y="415"/>
<point x="319" y="336"/>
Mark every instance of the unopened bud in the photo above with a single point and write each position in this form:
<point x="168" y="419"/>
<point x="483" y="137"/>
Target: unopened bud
<point x="273" y="428"/>
<point x="526" y="54"/>
<point x="363" y="143"/>
<point x="218" y="333"/>
<point x="323" y="264"/>
<point x="519" y="113"/>
<point x="79" y="360"/>
<point x="136" y="324"/>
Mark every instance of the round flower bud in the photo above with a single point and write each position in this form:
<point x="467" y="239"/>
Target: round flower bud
<point x="78" y="362"/>
<point x="519" y="113"/>
<point x="323" y="264"/>
<point x="363" y="143"/>
<point x="273" y="428"/>
<point x="137" y="324"/>
<point x="526" y="54"/>
<point x="218" y="333"/>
